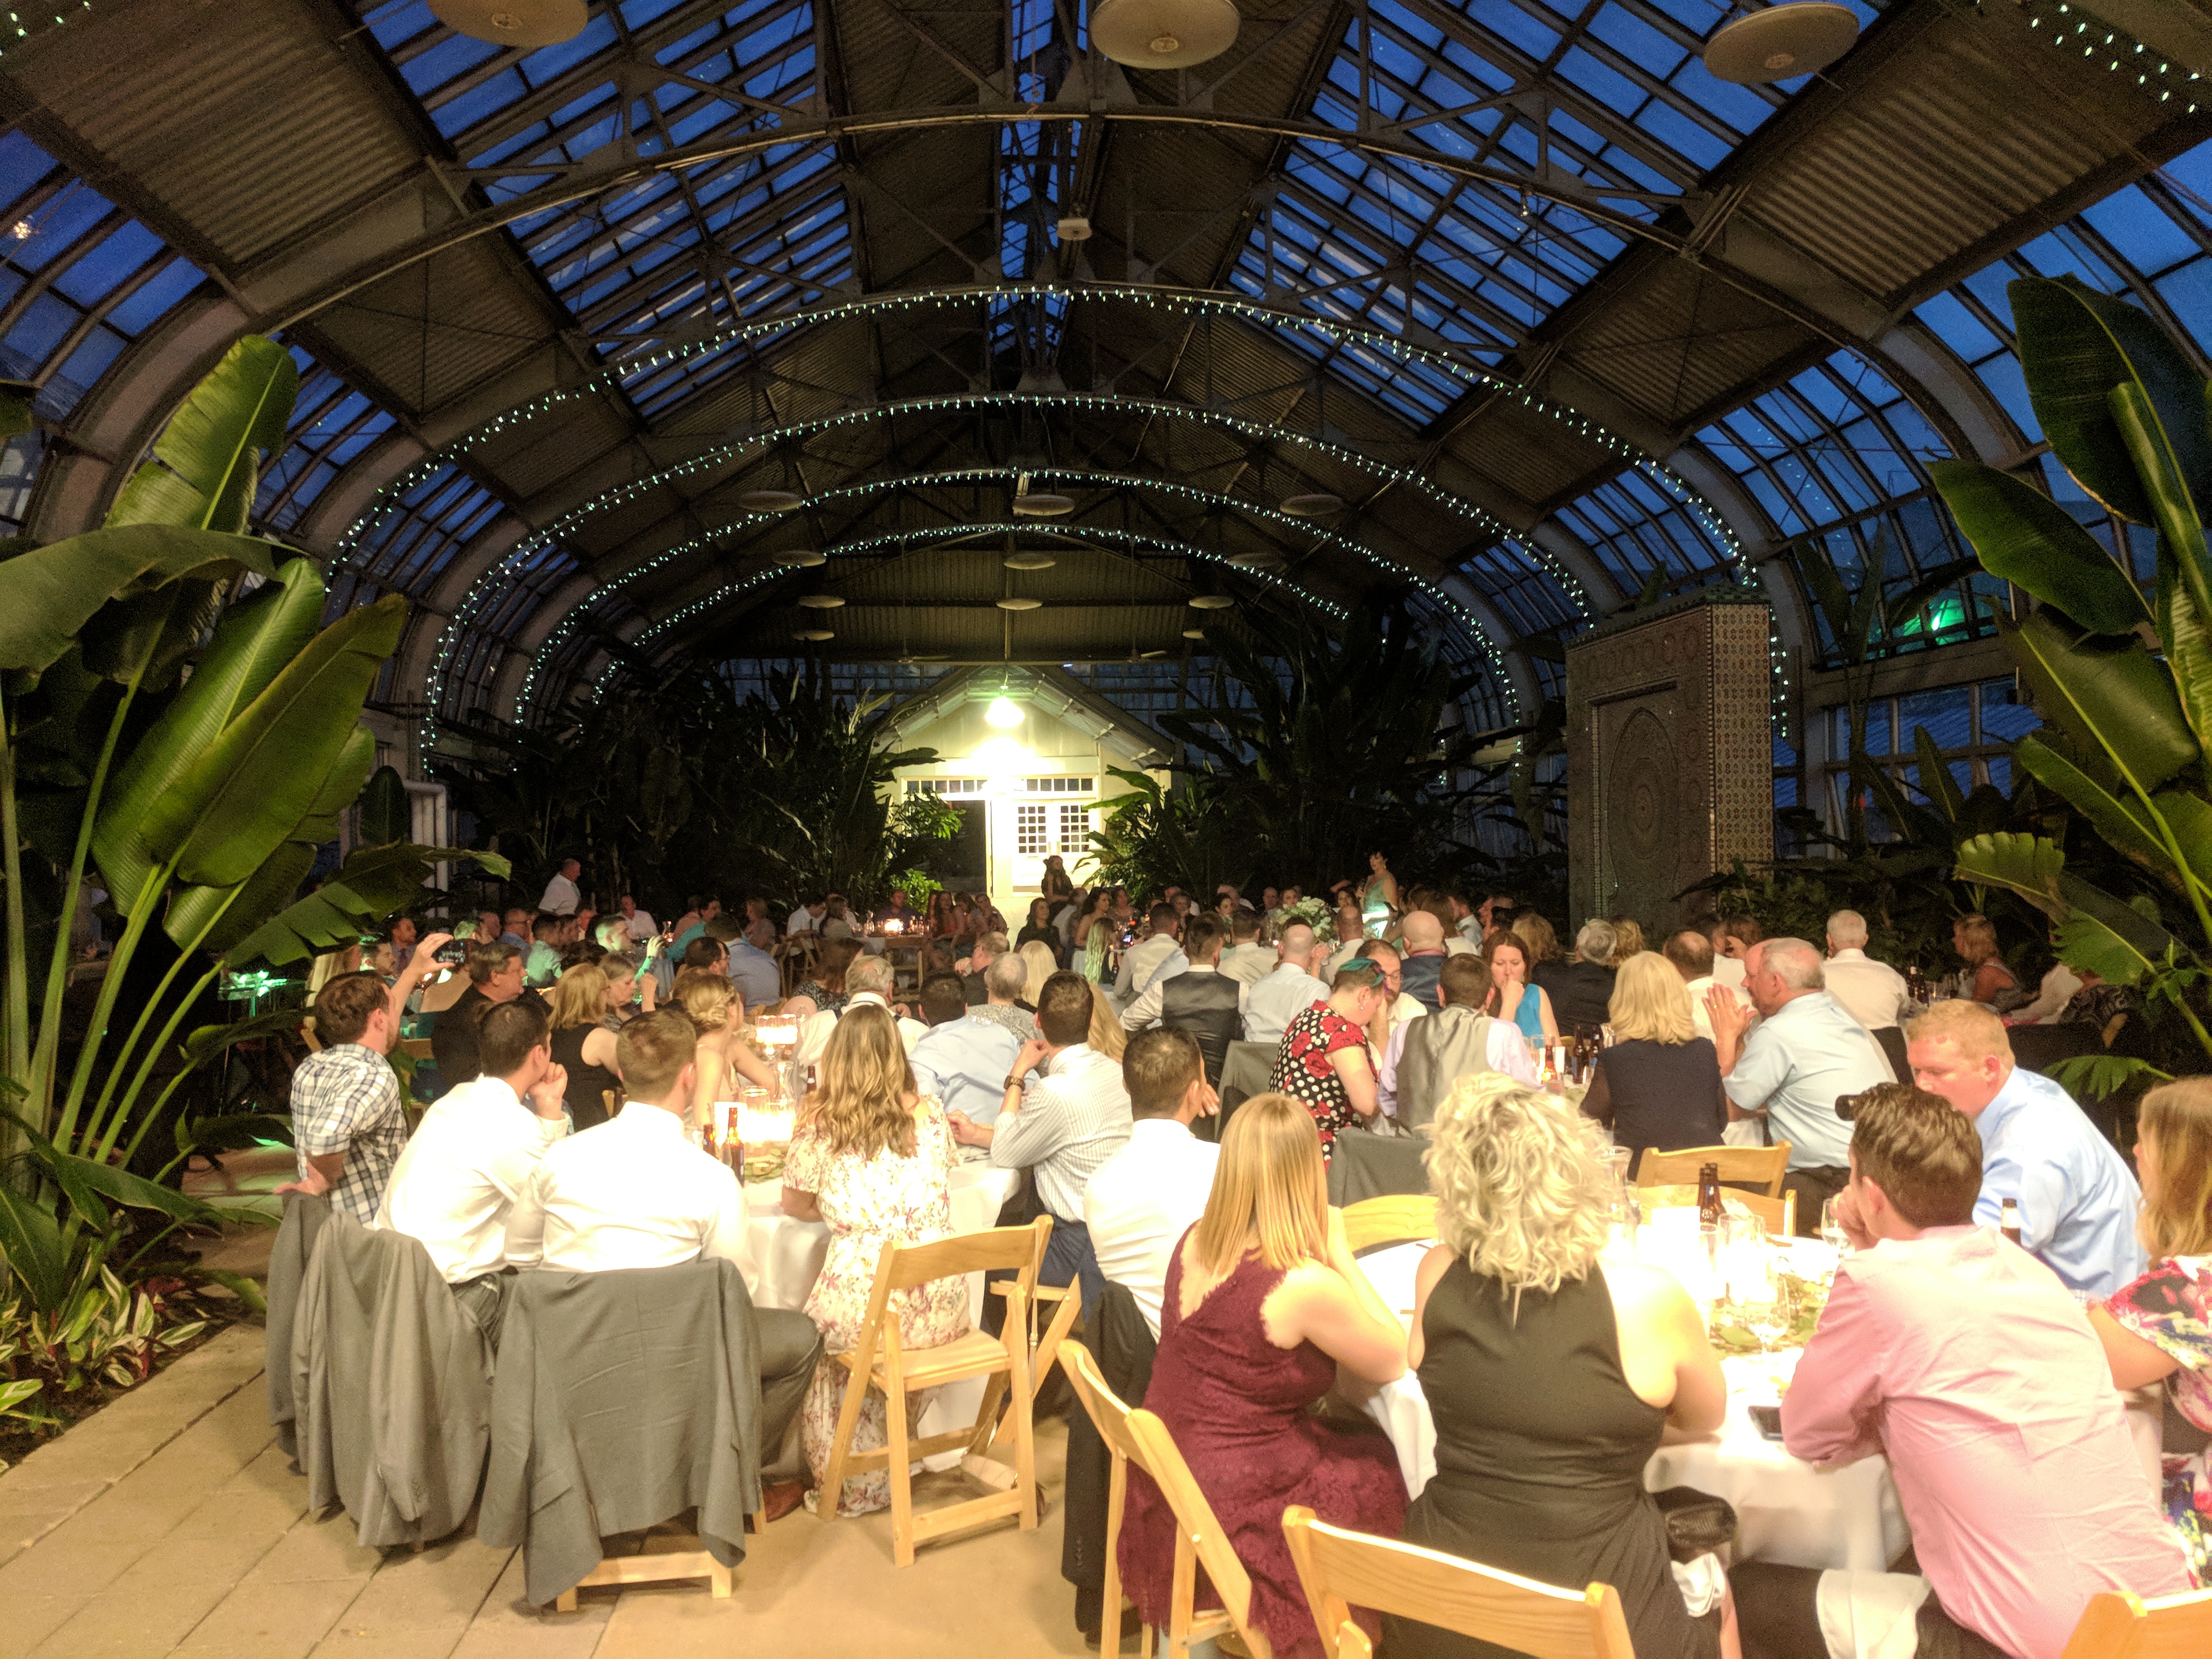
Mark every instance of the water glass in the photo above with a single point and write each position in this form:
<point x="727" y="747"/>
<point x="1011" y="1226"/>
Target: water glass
<point x="1832" y="1229"/>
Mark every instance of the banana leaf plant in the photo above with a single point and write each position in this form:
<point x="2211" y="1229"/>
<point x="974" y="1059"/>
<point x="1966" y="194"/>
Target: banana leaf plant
<point x="2122" y="678"/>
<point x="199" y="801"/>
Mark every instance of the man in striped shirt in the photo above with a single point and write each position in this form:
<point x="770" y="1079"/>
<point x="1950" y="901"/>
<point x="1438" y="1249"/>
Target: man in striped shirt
<point x="347" y="1124"/>
<point x="1062" y="1124"/>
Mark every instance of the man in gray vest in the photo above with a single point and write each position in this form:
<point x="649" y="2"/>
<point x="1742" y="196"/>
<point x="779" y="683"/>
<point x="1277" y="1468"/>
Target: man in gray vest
<point x="1201" y="999"/>
<point x="1427" y="1056"/>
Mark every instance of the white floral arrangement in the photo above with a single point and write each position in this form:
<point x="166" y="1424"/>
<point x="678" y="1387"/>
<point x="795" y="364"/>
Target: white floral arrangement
<point x="1315" y="913"/>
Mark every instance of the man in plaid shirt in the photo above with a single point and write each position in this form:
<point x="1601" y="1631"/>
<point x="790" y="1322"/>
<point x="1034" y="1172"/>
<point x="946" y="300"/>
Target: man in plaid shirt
<point x="346" y="1119"/>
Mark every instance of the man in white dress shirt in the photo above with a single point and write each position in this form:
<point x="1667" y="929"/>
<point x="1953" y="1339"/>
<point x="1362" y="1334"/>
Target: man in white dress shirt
<point x="561" y="897"/>
<point x="868" y="979"/>
<point x="642" y="924"/>
<point x="1872" y="993"/>
<point x="633" y="1192"/>
<point x="472" y="1156"/>
<point x="1692" y="954"/>
<point x="1140" y="1200"/>
<point x="807" y="918"/>
<point x="1142" y="963"/>
<point x="1288" y="992"/>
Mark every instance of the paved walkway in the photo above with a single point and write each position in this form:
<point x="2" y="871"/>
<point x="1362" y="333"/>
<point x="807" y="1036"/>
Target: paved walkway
<point x="170" y="1523"/>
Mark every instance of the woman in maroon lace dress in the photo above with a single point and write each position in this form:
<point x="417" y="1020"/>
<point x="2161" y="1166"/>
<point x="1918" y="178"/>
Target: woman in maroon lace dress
<point x="1263" y="1301"/>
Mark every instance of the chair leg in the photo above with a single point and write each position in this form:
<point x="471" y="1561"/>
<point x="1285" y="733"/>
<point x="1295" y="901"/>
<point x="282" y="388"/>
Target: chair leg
<point x="720" y="1579"/>
<point x="986" y="1415"/>
<point x="848" y="1418"/>
<point x="1017" y="1385"/>
<point x="900" y="1469"/>
<point x="565" y="1602"/>
<point x="1180" y="1597"/>
<point x="1109" y="1619"/>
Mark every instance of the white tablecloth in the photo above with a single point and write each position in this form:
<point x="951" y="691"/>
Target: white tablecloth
<point x="1788" y="1511"/>
<point x="784" y="1258"/>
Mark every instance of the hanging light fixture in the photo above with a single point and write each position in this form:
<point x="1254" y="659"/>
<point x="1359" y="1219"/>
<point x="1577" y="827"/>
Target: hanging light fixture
<point x="812" y="633"/>
<point x="1164" y="34"/>
<point x="1260" y="558"/>
<point x="1781" y="42"/>
<point x="1313" y="507"/>
<point x="1193" y="633"/>
<point x="1020" y="603"/>
<point x="771" y="501"/>
<point x="1042" y="505"/>
<point x="1210" y="602"/>
<point x="1004" y="711"/>
<point x="513" y="22"/>
<point x="1031" y="561"/>
<point x="820" y="601"/>
<point x="804" y="558"/>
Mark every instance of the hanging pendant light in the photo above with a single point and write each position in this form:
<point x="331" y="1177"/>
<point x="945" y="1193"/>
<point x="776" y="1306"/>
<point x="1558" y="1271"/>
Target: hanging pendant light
<point x="1042" y="505"/>
<point x="1313" y="507"/>
<point x="1019" y="603"/>
<point x="771" y="501"/>
<point x="820" y="601"/>
<point x="803" y="558"/>
<point x="1162" y="34"/>
<point x="1210" y="602"/>
<point x="1031" y="561"/>
<point x="1781" y="42"/>
<point x="513" y="22"/>
<point x="812" y="633"/>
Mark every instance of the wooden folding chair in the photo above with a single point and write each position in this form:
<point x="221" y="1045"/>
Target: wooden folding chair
<point x="416" y="1047"/>
<point x="308" y="1035"/>
<point x="880" y="1361"/>
<point x="1752" y="1166"/>
<point x="1780" y="1214"/>
<point x="1389" y="1220"/>
<point x="2118" y="1626"/>
<point x="1340" y="1569"/>
<point x="1139" y="1437"/>
<point x="652" y="1565"/>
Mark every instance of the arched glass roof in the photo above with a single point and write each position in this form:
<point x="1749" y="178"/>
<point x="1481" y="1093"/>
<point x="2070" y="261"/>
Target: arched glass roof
<point x="331" y="424"/>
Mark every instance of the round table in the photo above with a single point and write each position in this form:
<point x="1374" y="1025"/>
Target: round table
<point x="784" y="1257"/>
<point x="1788" y="1511"/>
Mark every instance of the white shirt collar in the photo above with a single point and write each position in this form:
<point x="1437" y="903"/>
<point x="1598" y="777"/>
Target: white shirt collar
<point x="1161" y="1129"/>
<point x="648" y="1118"/>
<point x="1848" y="953"/>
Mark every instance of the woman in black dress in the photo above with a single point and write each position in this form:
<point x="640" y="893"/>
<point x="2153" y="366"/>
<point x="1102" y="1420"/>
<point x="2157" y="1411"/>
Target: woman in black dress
<point x="1039" y="927"/>
<point x="1659" y="1085"/>
<point x="583" y="1040"/>
<point x="1550" y="1377"/>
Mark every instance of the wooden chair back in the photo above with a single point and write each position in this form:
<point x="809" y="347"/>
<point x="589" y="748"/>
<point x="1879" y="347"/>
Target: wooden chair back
<point x="1389" y="1220"/>
<point x="416" y="1047"/>
<point x="1759" y="1166"/>
<point x="1780" y="1214"/>
<point x="1342" y="1570"/>
<point x="308" y="1035"/>
<point x="2118" y="1626"/>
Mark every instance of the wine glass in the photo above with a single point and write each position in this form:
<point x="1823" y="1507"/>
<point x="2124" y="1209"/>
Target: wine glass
<point x="1832" y="1229"/>
<point x="1768" y="1306"/>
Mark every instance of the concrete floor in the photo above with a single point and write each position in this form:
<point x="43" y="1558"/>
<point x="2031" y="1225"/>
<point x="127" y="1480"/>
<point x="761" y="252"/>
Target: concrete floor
<point x="170" y="1523"/>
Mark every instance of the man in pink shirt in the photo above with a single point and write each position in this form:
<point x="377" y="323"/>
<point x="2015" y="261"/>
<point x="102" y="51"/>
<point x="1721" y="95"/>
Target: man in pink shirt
<point x="1963" y="1358"/>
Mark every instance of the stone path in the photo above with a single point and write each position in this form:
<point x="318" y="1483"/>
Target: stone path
<point x="170" y="1523"/>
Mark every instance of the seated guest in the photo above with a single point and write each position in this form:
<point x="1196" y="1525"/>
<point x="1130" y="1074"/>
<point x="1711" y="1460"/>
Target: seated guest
<point x="1199" y="998"/>
<point x="2093" y="1002"/>
<point x="584" y="1028"/>
<point x="725" y="1061"/>
<point x="1805" y="1052"/>
<point x="494" y="977"/>
<point x="517" y="930"/>
<point x="963" y="1058"/>
<point x="1246" y="958"/>
<point x="1039" y="928"/>
<point x="1061" y="1126"/>
<point x="640" y="923"/>
<point x="1323" y="1061"/>
<point x="348" y="1127"/>
<point x="836" y="921"/>
<point x="1005" y="982"/>
<point x="1422" y="957"/>
<point x="632" y="1192"/>
<point x="1872" y="993"/>
<point x="1525" y="1005"/>
<point x="1289" y="990"/>
<point x="758" y="978"/>
<point x="1262" y="1302"/>
<point x="1551" y="1376"/>
<point x="1732" y="939"/>
<point x="1141" y="1200"/>
<point x="1581" y="989"/>
<point x="1987" y="980"/>
<point x="541" y="963"/>
<point x="1427" y="1056"/>
<point x="1659" y="1084"/>
<point x="1143" y="961"/>
<point x="1691" y="953"/>
<point x="472" y="1156"/>
<point x="988" y="949"/>
<point x="2160" y="1328"/>
<point x="867" y="980"/>
<point x="1107" y="1035"/>
<point x="1537" y="938"/>
<point x="806" y="918"/>
<point x="1397" y="1007"/>
<point x="1627" y="939"/>
<point x="2077" y="1201"/>
<point x="1040" y="963"/>
<point x="872" y="1157"/>
<point x="824" y="991"/>
<point x="1949" y="1349"/>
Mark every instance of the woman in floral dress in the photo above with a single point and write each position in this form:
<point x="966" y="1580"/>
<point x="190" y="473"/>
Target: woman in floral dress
<point x="2160" y="1326"/>
<point x="1323" y="1061"/>
<point x="873" y="1160"/>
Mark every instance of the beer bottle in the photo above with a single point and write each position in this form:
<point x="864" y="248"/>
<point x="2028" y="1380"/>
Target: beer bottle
<point x="2009" y="1219"/>
<point x="1709" y="1196"/>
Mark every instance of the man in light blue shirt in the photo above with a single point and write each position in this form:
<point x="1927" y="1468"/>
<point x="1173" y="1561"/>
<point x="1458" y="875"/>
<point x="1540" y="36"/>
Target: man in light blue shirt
<point x="1280" y="997"/>
<point x="964" y="1058"/>
<point x="2077" y="1201"/>
<point x="1805" y="1051"/>
<point x="753" y="971"/>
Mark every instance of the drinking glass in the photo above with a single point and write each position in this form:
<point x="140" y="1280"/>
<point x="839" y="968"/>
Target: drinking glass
<point x="1769" y="1307"/>
<point x="1832" y="1229"/>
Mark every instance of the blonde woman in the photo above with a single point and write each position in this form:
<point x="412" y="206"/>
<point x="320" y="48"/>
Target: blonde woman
<point x="1659" y="1085"/>
<point x="1108" y="1036"/>
<point x="1976" y="942"/>
<point x="705" y="995"/>
<point x="1262" y="1302"/>
<point x="2160" y="1326"/>
<point x="1538" y="939"/>
<point x="583" y="1040"/>
<point x="1042" y="965"/>
<point x="1628" y="941"/>
<point x="872" y="1158"/>
<point x="1552" y="1379"/>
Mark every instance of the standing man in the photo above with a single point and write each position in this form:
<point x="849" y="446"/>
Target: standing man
<point x="561" y="897"/>
<point x="1287" y="992"/>
<point x="1805" y="1052"/>
<point x="347" y="1124"/>
<point x="2077" y="1201"/>
<point x="1062" y="1112"/>
<point x="963" y="1057"/>
<point x="1141" y="1200"/>
<point x="1873" y="993"/>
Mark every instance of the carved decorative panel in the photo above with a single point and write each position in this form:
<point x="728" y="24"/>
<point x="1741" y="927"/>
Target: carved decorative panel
<point x="1669" y="760"/>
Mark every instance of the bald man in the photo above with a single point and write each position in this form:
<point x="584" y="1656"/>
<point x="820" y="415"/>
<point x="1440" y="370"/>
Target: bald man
<point x="1422" y="958"/>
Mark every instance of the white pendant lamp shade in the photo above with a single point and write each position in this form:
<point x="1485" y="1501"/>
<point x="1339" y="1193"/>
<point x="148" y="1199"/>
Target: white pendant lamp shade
<point x="771" y="501"/>
<point x="1160" y="34"/>
<point x="820" y="601"/>
<point x="1042" y="504"/>
<point x="805" y="558"/>
<point x="813" y="634"/>
<point x="1313" y="507"/>
<point x="1193" y="633"/>
<point x="513" y="22"/>
<point x="1781" y="42"/>
<point x="1021" y="604"/>
<point x="1212" y="602"/>
<point x="1031" y="561"/>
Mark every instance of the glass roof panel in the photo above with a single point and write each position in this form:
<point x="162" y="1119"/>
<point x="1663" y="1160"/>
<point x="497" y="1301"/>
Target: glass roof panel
<point x="1638" y="527"/>
<point x="408" y="546"/>
<point x="332" y="423"/>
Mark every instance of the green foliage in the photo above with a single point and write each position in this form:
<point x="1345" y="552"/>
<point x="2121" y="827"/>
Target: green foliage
<point x="2125" y="689"/>
<point x="1151" y="839"/>
<point x="103" y="1331"/>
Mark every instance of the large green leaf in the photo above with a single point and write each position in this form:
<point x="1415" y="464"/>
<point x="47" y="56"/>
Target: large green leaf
<point x="241" y="799"/>
<point x="250" y="647"/>
<point x="2030" y="866"/>
<point x="225" y="919"/>
<point x="2181" y="533"/>
<point x="47" y="595"/>
<point x="212" y="448"/>
<point x="31" y="1243"/>
<point x="2113" y="694"/>
<point x="2109" y="936"/>
<point x="2120" y="820"/>
<point x="204" y="1042"/>
<point x="372" y="883"/>
<point x="2183" y="632"/>
<point x="2027" y="538"/>
<point x="124" y="1187"/>
<point x="1936" y="780"/>
<point x="2075" y="345"/>
<point x="386" y="817"/>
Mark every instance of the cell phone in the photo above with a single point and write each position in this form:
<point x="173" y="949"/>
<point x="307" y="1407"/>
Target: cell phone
<point x="1767" y="1419"/>
<point x="455" y="954"/>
